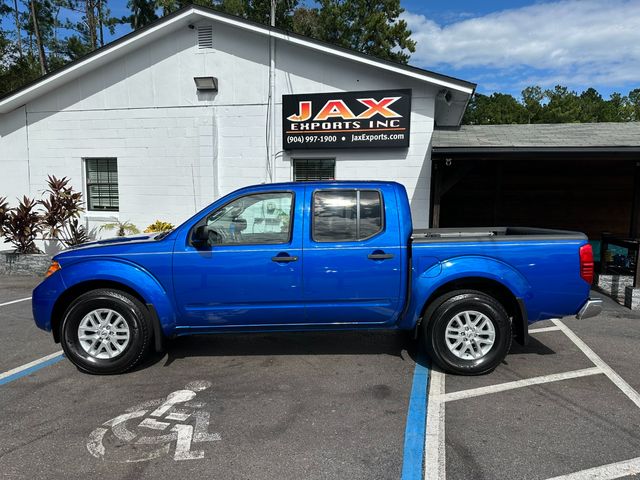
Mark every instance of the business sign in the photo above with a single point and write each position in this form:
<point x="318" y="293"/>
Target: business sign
<point x="378" y="118"/>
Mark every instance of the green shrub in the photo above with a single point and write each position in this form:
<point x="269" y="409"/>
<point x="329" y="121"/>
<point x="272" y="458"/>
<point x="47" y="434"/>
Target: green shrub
<point x="159" y="226"/>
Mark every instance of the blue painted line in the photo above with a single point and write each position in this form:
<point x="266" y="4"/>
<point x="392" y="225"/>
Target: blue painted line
<point x="415" y="430"/>
<point x="30" y="370"/>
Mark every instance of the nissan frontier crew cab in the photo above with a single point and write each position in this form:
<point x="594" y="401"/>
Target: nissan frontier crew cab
<point x="314" y="256"/>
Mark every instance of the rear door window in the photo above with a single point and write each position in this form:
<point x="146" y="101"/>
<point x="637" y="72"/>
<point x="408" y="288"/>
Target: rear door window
<point x="370" y="213"/>
<point x="346" y="215"/>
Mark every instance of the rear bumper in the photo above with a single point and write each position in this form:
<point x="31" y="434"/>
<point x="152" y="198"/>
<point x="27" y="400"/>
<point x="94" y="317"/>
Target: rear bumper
<point x="591" y="308"/>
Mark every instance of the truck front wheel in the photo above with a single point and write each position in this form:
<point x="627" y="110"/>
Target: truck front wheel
<point x="467" y="332"/>
<point x="106" y="331"/>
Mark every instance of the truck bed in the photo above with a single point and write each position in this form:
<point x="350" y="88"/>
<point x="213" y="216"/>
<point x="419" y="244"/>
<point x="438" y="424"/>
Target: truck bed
<point x="546" y="262"/>
<point x="488" y="234"/>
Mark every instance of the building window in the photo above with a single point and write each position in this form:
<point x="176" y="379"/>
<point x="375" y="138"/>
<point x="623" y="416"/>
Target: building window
<point x="102" y="184"/>
<point x="346" y="215"/>
<point x="309" y="170"/>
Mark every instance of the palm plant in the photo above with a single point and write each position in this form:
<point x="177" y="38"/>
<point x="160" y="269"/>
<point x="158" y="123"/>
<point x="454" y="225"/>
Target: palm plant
<point x="121" y="228"/>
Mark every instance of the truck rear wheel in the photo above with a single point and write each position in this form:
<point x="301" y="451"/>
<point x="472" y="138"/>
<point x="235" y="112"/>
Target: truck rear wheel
<point x="467" y="332"/>
<point x="106" y="331"/>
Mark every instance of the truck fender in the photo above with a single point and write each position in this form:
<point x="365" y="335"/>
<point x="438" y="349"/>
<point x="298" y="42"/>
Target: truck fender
<point x="426" y="283"/>
<point x="133" y="276"/>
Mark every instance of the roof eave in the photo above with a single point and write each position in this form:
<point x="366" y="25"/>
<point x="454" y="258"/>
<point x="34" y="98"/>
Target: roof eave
<point x="27" y="93"/>
<point x="535" y="149"/>
<point x="407" y="70"/>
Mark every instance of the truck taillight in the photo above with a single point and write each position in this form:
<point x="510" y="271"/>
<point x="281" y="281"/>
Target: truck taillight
<point x="586" y="263"/>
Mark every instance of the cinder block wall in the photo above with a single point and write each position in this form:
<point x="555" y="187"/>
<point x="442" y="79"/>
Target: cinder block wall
<point x="179" y="149"/>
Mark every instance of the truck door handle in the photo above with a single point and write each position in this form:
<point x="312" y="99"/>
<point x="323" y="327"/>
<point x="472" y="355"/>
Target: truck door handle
<point x="379" y="256"/>
<point x="284" y="258"/>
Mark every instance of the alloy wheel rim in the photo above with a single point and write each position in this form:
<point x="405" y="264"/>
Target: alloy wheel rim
<point x="470" y="335"/>
<point x="103" y="333"/>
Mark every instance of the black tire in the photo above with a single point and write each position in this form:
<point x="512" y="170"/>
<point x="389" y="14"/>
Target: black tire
<point x="445" y="308"/>
<point x="134" y="313"/>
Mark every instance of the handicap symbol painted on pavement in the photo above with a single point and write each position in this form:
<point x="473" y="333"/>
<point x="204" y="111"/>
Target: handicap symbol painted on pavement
<point x="135" y="435"/>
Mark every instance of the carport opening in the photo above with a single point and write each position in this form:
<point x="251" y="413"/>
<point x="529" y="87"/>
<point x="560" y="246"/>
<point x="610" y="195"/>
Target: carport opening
<point x="584" y="192"/>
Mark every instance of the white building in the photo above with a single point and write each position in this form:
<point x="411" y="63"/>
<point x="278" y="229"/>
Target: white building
<point x="134" y="133"/>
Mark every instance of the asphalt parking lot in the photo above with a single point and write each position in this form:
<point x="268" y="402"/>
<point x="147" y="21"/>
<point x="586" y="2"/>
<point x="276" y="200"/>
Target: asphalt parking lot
<point x="565" y="406"/>
<point x="322" y="406"/>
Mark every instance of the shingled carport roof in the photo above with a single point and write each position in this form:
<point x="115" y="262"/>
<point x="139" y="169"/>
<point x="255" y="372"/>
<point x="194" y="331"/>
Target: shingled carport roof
<point x="560" y="137"/>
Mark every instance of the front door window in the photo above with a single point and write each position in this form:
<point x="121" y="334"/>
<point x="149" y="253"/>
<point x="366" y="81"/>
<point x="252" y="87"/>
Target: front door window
<point x="251" y="220"/>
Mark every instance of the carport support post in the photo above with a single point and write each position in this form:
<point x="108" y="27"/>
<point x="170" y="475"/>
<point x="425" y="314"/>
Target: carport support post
<point x="634" y="227"/>
<point x="635" y="221"/>
<point x="436" y="193"/>
<point x="632" y="294"/>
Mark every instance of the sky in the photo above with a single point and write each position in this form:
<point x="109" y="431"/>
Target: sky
<point x="506" y="45"/>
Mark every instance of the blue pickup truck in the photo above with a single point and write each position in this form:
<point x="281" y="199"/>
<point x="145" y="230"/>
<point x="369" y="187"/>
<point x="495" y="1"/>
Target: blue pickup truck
<point x="314" y="256"/>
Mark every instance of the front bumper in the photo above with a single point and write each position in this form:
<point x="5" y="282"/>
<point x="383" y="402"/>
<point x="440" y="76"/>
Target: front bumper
<point x="591" y="308"/>
<point x="43" y="300"/>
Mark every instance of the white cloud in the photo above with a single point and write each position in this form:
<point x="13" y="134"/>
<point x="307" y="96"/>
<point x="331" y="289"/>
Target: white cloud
<point x="577" y="42"/>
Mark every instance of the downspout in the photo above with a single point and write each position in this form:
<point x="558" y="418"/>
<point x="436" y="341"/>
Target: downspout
<point x="215" y="154"/>
<point x="272" y="96"/>
<point x="26" y="129"/>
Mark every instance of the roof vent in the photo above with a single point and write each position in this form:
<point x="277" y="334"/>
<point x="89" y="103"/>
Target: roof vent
<point x="205" y="37"/>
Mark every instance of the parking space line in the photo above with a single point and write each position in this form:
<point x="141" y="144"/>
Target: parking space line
<point x="416" y="419"/>
<point x="605" y="472"/>
<point x="435" y="456"/>
<point x="544" y="329"/>
<point x="527" y="382"/>
<point x="28" y="368"/>
<point x="15" y="301"/>
<point x="627" y="389"/>
<point x="435" y="459"/>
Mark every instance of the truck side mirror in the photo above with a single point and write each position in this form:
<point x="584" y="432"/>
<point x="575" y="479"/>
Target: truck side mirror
<point x="200" y="236"/>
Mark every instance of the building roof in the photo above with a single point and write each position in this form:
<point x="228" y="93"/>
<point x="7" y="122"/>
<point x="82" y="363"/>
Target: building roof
<point x="190" y="14"/>
<point x="538" y="137"/>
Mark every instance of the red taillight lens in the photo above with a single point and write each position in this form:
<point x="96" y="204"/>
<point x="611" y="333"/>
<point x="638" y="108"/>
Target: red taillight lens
<point x="586" y="263"/>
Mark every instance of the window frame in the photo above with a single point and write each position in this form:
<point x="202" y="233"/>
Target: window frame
<point x="203" y="220"/>
<point x="89" y="184"/>
<point x="302" y="159"/>
<point x="383" y="211"/>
